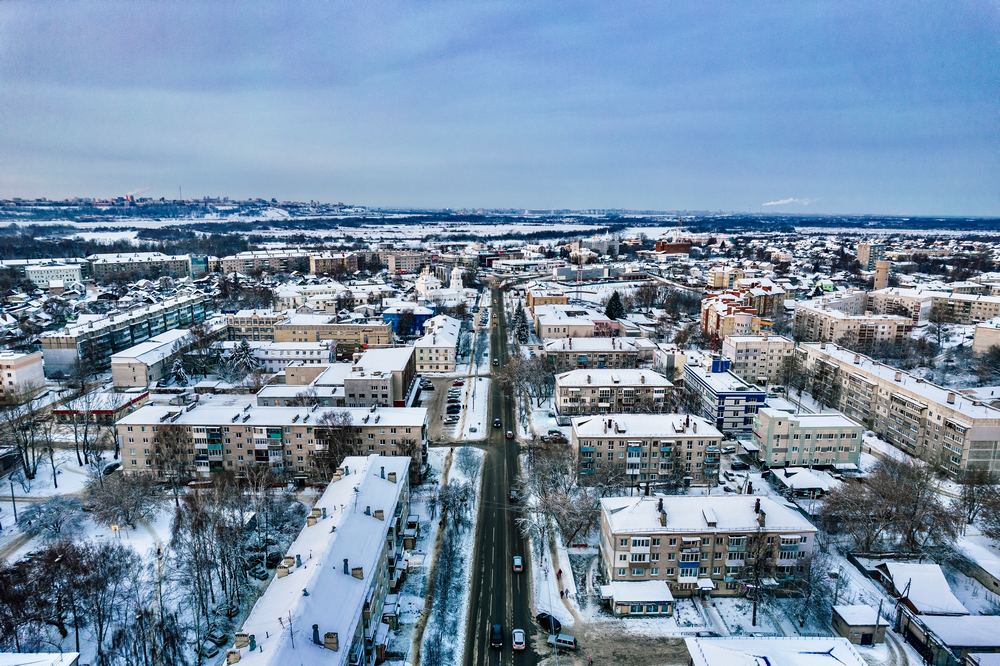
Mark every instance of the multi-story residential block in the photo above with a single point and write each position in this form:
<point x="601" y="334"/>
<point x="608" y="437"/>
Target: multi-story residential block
<point x="608" y="391"/>
<point x="572" y="353"/>
<point x="869" y="253"/>
<point x="929" y="422"/>
<point x="233" y="433"/>
<point x="21" y="376"/>
<point x="437" y="349"/>
<point x="730" y="313"/>
<point x="571" y="321"/>
<point x="254" y="324"/>
<point x="723" y="398"/>
<point x="648" y="447"/>
<point x="986" y="336"/>
<point x="544" y="296"/>
<point x="723" y="277"/>
<point x="131" y="264"/>
<point x="842" y="317"/>
<point x="332" y="263"/>
<point x="712" y="544"/>
<point x="757" y="358"/>
<point x="829" y="439"/>
<point x="404" y="262"/>
<point x="350" y="337"/>
<point x="382" y="377"/>
<point x="275" y="261"/>
<point x="149" y="361"/>
<point x="42" y="275"/>
<point x="94" y="338"/>
<point x="336" y="574"/>
<point x="947" y="307"/>
<point x="276" y="356"/>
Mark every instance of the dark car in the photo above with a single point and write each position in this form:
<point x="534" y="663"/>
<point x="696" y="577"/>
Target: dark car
<point x="549" y="623"/>
<point x="496" y="361"/>
<point x="739" y="466"/>
<point x="497" y="423"/>
<point x="496" y="635"/>
<point x="510" y="434"/>
<point x="454" y="409"/>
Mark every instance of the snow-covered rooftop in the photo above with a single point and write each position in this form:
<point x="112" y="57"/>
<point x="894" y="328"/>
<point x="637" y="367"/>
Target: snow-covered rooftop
<point x="925" y="586"/>
<point x="612" y="377"/>
<point x="859" y="614"/>
<point x="319" y="591"/>
<point x="773" y="652"/>
<point x="589" y="345"/>
<point x="637" y="591"/>
<point x="975" y="631"/>
<point x="687" y="513"/>
<point x="644" y="425"/>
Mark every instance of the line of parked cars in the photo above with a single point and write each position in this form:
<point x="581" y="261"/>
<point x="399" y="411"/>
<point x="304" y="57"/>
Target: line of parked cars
<point x="518" y="637"/>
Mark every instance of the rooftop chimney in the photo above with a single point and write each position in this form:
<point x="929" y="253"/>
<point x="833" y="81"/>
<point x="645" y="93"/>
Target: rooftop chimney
<point x="756" y="508"/>
<point x="347" y="569"/>
<point x="316" y="634"/>
<point x="951" y="397"/>
<point x="382" y="473"/>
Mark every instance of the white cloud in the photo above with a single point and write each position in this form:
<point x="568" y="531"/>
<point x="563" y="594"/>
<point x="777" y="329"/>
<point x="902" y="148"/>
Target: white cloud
<point x="785" y="202"/>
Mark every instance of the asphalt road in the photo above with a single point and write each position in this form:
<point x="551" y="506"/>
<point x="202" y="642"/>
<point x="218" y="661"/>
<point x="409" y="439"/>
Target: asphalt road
<point x="498" y="594"/>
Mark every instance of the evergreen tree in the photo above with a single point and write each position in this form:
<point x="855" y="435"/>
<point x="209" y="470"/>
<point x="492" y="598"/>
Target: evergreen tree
<point x="615" y="309"/>
<point x="178" y="372"/>
<point x="243" y="359"/>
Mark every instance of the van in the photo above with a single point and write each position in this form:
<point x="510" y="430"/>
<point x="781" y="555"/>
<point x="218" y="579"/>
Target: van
<point x="562" y="641"/>
<point x="496" y="635"/>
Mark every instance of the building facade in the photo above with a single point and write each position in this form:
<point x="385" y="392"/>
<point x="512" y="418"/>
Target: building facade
<point x="21" y="376"/>
<point x="757" y="358"/>
<point x="648" y="447"/>
<point x="575" y="353"/>
<point x="707" y="545"/>
<point x="727" y="401"/>
<point x="827" y="439"/>
<point x="609" y="391"/>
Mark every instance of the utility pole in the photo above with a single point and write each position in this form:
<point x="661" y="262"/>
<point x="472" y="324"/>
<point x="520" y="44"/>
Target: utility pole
<point x="12" y="502"/>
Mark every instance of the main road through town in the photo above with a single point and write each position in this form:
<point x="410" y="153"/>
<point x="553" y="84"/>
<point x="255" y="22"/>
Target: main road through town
<point x="499" y="595"/>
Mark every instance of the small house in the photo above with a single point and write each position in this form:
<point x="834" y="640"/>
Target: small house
<point x="859" y="623"/>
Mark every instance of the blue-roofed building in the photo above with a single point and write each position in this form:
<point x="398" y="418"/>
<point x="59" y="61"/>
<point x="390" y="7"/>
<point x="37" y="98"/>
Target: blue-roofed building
<point x="393" y="315"/>
<point x="725" y="400"/>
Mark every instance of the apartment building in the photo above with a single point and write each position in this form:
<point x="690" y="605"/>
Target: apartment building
<point x="232" y="433"/>
<point x="571" y="321"/>
<point x="254" y="325"/>
<point x="929" y="422"/>
<point x="336" y="575"/>
<point x="404" y="262"/>
<point x="382" y="377"/>
<point x="757" y="358"/>
<point x="986" y="336"/>
<point x="95" y="338"/>
<point x="149" y="361"/>
<point x="843" y="316"/>
<point x="869" y="253"/>
<point x="647" y="446"/>
<point x="729" y="314"/>
<point x="21" y="376"/>
<point x="350" y="337"/>
<point x="274" y="261"/>
<point x="723" y="277"/>
<point x="437" y="349"/>
<point x="543" y="296"/>
<point x="703" y="545"/>
<point x="609" y="391"/>
<point x="955" y="307"/>
<point x="42" y="275"/>
<point x="144" y="264"/>
<point x="573" y="353"/>
<point x="332" y="263"/>
<point x="828" y="439"/>
<point x="276" y="356"/>
<point x="726" y="400"/>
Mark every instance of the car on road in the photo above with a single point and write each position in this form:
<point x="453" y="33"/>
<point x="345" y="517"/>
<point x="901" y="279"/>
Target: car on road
<point x="510" y="434"/>
<point x="458" y="382"/>
<point x="512" y="497"/>
<point x="549" y="623"/>
<point x="427" y="387"/>
<point x="496" y="361"/>
<point x="496" y="635"/>
<point x="517" y="639"/>
<point x="497" y="423"/>
<point x="518" y="564"/>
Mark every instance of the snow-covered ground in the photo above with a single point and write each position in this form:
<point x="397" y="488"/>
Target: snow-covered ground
<point x="444" y="635"/>
<point x="475" y="426"/>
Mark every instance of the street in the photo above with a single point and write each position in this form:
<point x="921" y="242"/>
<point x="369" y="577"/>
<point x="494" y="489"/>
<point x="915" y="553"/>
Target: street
<point x="498" y="594"/>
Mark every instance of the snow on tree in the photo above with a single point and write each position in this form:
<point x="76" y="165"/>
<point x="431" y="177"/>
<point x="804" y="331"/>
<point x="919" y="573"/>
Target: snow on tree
<point x="54" y="519"/>
<point x="179" y="373"/>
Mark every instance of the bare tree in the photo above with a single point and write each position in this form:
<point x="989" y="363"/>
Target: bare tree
<point x="336" y="438"/>
<point x="20" y="426"/>
<point x="172" y="457"/>
<point x="122" y="499"/>
<point x="978" y="487"/>
<point x="54" y="519"/>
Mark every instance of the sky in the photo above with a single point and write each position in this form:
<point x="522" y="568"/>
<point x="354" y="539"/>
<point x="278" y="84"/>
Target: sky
<point x="787" y="107"/>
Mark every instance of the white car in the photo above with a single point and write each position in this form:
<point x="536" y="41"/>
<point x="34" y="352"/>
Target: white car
<point x="517" y="639"/>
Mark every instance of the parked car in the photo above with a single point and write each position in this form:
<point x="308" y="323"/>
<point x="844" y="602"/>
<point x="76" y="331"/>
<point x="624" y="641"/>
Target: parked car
<point x="229" y="610"/>
<point x="739" y="465"/>
<point x="562" y="641"/>
<point x="549" y="623"/>
<point x="257" y="572"/>
<point x="428" y="387"/>
<point x="458" y="382"/>
<point x="217" y="636"/>
<point x="273" y="559"/>
<point x="512" y="497"/>
<point x="207" y="650"/>
<point x="454" y="409"/>
<point x="518" y="564"/>
<point x="111" y="467"/>
<point x="517" y="639"/>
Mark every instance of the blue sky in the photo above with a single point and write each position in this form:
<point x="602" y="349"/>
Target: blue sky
<point x="842" y="107"/>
